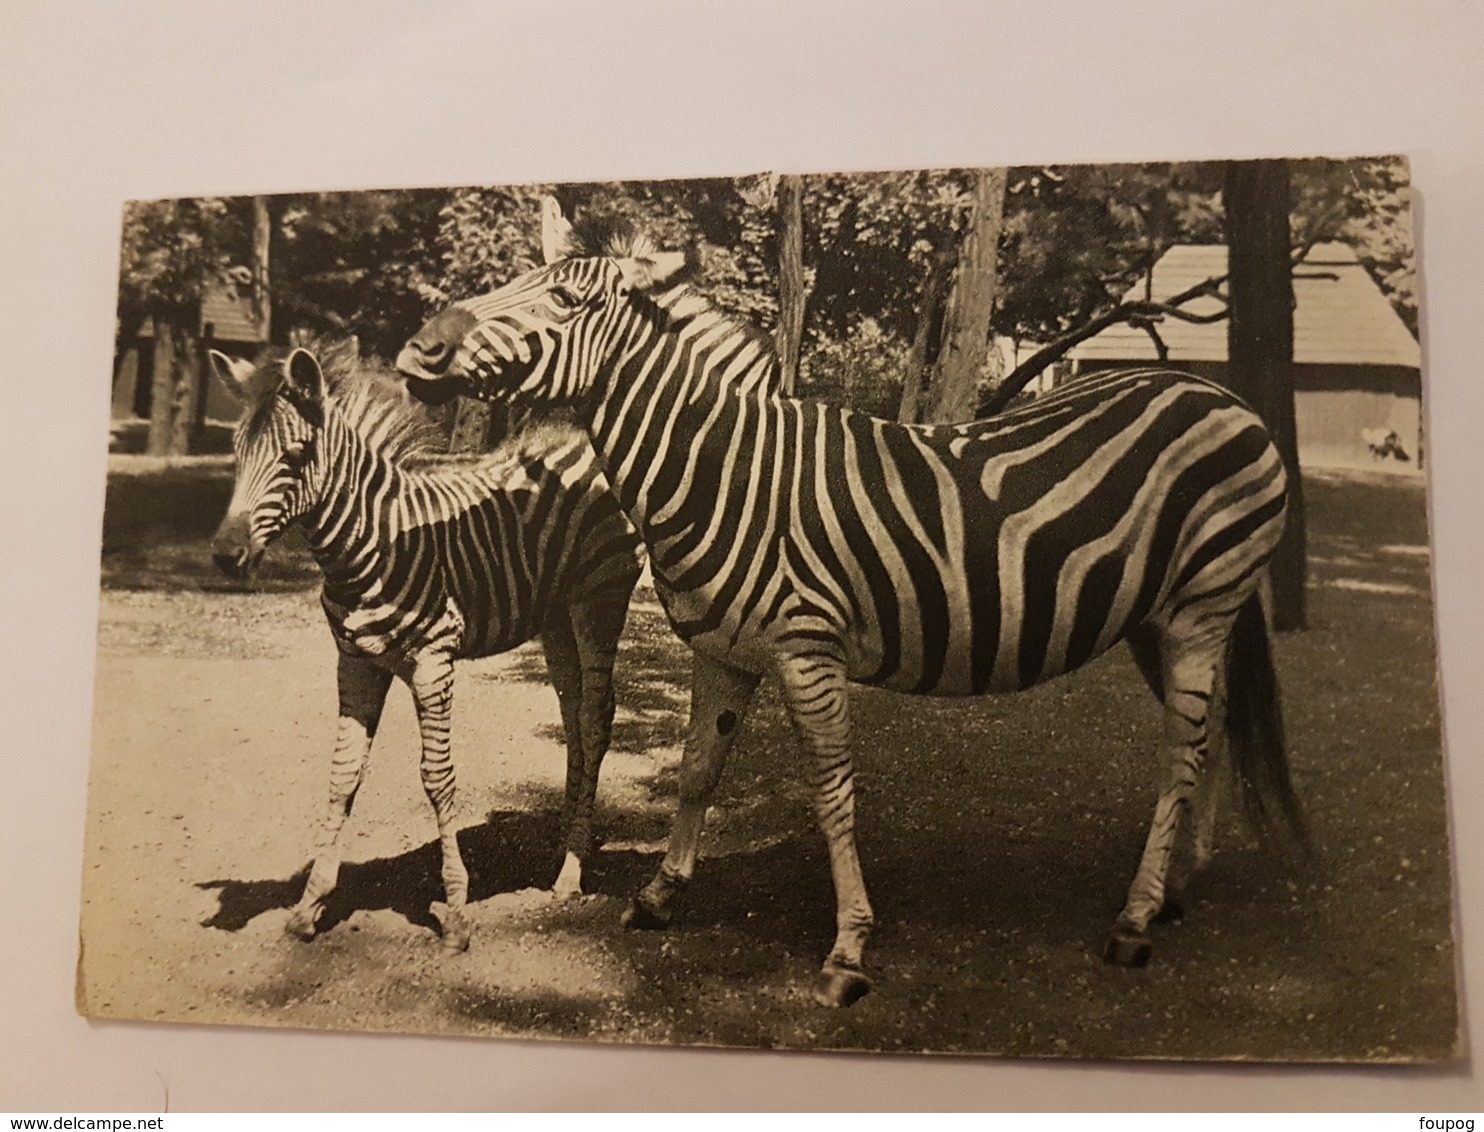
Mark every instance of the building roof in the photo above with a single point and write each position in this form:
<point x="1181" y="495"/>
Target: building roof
<point x="229" y="313"/>
<point x="1340" y="316"/>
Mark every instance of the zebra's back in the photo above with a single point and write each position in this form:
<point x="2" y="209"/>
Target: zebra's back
<point x="494" y="545"/>
<point x="990" y="555"/>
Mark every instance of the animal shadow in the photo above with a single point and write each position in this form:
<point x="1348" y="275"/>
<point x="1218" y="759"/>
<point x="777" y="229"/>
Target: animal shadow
<point x="510" y="851"/>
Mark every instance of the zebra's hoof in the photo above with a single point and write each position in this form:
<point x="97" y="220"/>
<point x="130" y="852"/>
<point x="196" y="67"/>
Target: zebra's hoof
<point x="301" y="924"/>
<point x="1127" y="948"/>
<point x="453" y="925"/>
<point x="641" y="916"/>
<point x="839" y="986"/>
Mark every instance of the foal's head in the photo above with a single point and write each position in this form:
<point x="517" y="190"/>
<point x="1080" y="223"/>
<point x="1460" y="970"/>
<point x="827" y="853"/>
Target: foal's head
<point x="280" y="467"/>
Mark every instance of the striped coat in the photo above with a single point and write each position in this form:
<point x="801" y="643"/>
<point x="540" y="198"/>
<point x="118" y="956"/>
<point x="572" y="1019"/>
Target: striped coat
<point x="426" y="563"/>
<point x="828" y="546"/>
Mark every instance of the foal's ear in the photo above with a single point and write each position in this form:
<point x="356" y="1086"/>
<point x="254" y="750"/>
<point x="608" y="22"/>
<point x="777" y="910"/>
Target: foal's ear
<point x="650" y="270"/>
<point x="304" y="385"/>
<point x="557" y="241"/>
<point x="233" y="373"/>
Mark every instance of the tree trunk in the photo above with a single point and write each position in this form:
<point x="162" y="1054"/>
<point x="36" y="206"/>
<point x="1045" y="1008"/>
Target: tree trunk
<point x="162" y="387"/>
<point x="1260" y="348"/>
<point x="966" y="321"/>
<point x="126" y="338"/>
<point x="183" y="432"/>
<point x="791" y="291"/>
<point x="928" y="334"/>
<point x="262" y="243"/>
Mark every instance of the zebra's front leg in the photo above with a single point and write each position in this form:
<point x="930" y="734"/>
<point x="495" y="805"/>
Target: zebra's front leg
<point x="362" y="688"/>
<point x="1187" y="712"/>
<point x="565" y="672"/>
<point x="432" y="692"/>
<point x="818" y="700"/>
<point x="720" y="696"/>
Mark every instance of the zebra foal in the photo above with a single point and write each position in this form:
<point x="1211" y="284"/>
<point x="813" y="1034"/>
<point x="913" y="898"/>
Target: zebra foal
<point x="831" y="547"/>
<point x="426" y="563"/>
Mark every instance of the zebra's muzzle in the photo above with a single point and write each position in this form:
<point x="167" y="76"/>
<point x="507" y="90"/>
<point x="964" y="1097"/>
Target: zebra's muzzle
<point x="437" y="392"/>
<point x="427" y="358"/>
<point x="232" y="549"/>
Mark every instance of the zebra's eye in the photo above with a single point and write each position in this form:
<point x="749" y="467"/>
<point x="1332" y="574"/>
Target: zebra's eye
<point x="565" y="297"/>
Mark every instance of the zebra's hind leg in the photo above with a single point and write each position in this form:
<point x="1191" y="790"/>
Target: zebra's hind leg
<point x="362" y="688"/>
<point x="1194" y="846"/>
<point x="592" y="629"/>
<point x="1194" y="849"/>
<point x="818" y="700"/>
<point x="1188" y="672"/>
<point x="720" y="696"/>
<point x="432" y="692"/>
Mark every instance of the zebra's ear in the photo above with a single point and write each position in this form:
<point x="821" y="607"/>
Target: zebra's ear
<point x="304" y="385"/>
<point x="233" y="373"/>
<point x="557" y="240"/>
<point x="650" y="270"/>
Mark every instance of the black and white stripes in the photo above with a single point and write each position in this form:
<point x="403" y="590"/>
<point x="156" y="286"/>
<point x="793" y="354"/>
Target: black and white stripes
<point x="828" y="546"/>
<point x="427" y="562"/>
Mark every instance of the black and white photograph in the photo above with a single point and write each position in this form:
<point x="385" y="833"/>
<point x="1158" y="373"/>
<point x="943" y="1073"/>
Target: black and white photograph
<point x="711" y="557"/>
<point x="964" y="610"/>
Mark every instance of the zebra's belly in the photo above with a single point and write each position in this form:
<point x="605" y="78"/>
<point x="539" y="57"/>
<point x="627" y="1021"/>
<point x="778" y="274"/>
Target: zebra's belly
<point x="958" y="675"/>
<point x="947" y="657"/>
<point x="392" y="633"/>
<point x="491" y="639"/>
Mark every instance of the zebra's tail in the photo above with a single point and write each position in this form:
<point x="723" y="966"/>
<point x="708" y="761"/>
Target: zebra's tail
<point x="1254" y="733"/>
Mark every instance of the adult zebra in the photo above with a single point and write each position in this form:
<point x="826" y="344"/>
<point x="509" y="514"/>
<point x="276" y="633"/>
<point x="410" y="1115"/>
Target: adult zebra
<point x="948" y="560"/>
<point x="425" y="563"/>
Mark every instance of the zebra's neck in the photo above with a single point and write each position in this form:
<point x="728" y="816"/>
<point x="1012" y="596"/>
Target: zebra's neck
<point x="670" y="410"/>
<point x="350" y="525"/>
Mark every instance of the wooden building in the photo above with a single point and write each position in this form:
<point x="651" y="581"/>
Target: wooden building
<point x="227" y="324"/>
<point x="1357" y="368"/>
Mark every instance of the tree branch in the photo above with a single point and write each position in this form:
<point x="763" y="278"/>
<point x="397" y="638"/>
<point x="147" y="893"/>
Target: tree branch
<point x="1141" y="314"/>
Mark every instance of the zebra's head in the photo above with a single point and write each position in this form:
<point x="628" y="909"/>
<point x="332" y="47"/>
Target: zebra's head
<point x="544" y="335"/>
<point x="277" y="450"/>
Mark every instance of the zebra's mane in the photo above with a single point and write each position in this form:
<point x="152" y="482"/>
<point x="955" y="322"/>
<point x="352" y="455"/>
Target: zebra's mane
<point x="611" y="235"/>
<point x="535" y="438"/>
<point x="607" y="234"/>
<point x="683" y="306"/>
<point x="366" y="397"/>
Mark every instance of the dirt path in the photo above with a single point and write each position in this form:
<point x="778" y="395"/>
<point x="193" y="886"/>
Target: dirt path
<point x="998" y="837"/>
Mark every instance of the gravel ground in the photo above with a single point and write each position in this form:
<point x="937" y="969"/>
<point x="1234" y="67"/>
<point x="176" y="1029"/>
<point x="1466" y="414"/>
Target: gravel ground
<point x="997" y="836"/>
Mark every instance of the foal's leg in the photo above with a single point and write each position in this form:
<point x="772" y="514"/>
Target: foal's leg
<point x="432" y="692"/>
<point x="596" y="628"/>
<point x="818" y="701"/>
<point x="564" y="669"/>
<point x="1189" y="672"/>
<point x="363" y="687"/>
<point x="719" y="699"/>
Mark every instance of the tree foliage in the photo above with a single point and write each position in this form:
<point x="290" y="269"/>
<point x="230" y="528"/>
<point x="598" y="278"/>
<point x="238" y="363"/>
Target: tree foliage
<point x="1365" y="202"/>
<point x="1075" y="240"/>
<point x="169" y="248"/>
<point x="355" y="262"/>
